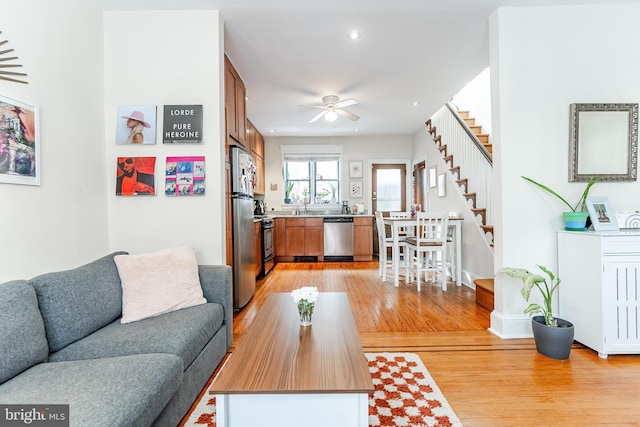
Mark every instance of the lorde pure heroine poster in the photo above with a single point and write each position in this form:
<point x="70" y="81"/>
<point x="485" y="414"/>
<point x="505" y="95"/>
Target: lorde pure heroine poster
<point x="134" y="176"/>
<point x="19" y="143"/>
<point x="184" y="176"/>
<point x="136" y="124"/>
<point x="182" y="124"/>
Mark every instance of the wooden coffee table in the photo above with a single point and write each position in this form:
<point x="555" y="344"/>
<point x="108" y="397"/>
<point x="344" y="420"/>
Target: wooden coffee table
<point x="283" y="374"/>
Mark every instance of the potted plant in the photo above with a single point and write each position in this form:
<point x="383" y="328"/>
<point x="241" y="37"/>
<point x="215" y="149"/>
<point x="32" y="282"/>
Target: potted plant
<point x="334" y="189"/>
<point x="574" y="220"/>
<point x="287" y="193"/>
<point x="553" y="336"/>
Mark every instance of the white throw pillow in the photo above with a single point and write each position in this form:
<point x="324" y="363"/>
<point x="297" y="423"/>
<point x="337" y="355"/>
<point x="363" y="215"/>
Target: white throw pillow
<point x="158" y="282"/>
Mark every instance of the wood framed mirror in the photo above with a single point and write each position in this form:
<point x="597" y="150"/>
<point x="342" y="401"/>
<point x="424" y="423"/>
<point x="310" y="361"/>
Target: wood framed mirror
<point x="603" y="142"/>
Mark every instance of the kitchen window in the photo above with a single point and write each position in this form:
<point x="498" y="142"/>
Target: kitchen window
<point x="312" y="177"/>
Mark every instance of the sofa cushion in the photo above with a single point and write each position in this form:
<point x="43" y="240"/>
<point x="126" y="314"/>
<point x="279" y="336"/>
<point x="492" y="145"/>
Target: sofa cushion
<point x="77" y="302"/>
<point x="183" y="333"/>
<point x="111" y="392"/>
<point x="23" y="342"/>
<point x="158" y="282"/>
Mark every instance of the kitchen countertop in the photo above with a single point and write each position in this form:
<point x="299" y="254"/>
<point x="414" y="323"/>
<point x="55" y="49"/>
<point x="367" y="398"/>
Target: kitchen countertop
<point x="315" y="215"/>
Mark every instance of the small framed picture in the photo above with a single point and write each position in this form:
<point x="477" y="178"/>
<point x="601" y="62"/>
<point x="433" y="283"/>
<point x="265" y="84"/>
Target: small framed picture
<point x="602" y="217"/>
<point x="433" y="183"/>
<point x="442" y="185"/>
<point x="355" y="169"/>
<point x="356" y="189"/>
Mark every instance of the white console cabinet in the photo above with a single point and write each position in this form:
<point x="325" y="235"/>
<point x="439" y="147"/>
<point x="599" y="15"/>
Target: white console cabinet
<point x="600" y="289"/>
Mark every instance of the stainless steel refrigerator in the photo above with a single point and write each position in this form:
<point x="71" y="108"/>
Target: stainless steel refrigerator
<point x="244" y="267"/>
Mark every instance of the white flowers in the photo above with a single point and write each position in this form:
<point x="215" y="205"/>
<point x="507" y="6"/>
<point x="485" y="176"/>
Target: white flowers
<point x="307" y="294"/>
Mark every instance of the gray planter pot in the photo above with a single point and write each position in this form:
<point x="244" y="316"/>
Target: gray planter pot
<point x="553" y="342"/>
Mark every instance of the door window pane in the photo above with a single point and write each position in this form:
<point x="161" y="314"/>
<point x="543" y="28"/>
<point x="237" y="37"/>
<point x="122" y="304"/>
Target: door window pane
<point x="389" y="192"/>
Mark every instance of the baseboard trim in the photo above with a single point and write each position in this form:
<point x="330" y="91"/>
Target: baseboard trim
<point x="510" y="326"/>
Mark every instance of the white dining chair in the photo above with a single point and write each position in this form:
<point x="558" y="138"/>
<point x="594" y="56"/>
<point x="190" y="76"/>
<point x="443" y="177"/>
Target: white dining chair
<point x="428" y="248"/>
<point x="385" y="242"/>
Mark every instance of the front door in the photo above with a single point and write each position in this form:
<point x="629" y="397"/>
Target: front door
<point x="388" y="191"/>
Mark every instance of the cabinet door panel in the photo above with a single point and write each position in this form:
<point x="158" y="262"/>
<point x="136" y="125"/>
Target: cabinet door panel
<point x="294" y="237"/>
<point x="313" y="241"/>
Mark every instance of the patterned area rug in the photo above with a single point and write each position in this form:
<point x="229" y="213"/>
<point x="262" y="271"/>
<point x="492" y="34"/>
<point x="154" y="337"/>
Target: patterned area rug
<point x="405" y="396"/>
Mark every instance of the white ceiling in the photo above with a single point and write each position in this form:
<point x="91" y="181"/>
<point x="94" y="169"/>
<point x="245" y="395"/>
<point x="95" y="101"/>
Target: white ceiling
<point x="293" y="52"/>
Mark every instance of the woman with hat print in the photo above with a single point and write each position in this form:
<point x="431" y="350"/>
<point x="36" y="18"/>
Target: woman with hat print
<point x="135" y="122"/>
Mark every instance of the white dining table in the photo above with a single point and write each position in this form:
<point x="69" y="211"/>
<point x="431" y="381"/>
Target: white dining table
<point x="397" y="223"/>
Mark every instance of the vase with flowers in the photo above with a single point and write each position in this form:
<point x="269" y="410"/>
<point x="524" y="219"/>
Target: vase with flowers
<point x="305" y="297"/>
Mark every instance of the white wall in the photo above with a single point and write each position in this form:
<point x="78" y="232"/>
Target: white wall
<point x="543" y="59"/>
<point x="172" y="58"/>
<point x="63" y="222"/>
<point x="397" y="149"/>
<point x="475" y="97"/>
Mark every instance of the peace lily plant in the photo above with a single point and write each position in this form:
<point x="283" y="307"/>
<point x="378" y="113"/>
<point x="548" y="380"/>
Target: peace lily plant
<point x="547" y="290"/>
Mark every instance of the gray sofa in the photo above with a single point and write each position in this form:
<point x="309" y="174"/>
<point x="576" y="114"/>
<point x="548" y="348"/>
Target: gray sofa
<point x="61" y="342"/>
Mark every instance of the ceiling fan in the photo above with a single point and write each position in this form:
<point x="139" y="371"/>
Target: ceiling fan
<point x="332" y="107"/>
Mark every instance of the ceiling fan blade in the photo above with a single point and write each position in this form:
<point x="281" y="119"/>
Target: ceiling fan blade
<point x="346" y="103"/>
<point x="347" y="114"/>
<point x="312" y="106"/>
<point x="318" y="116"/>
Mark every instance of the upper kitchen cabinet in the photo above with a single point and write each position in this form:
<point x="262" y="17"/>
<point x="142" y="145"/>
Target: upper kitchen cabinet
<point x="235" y="104"/>
<point x="256" y="142"/>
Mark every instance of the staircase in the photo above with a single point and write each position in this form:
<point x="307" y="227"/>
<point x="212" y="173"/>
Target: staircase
<point x="484" y="146"/>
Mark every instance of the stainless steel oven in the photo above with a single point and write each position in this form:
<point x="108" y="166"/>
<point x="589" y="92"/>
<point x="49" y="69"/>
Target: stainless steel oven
<point x="268" y="256"/>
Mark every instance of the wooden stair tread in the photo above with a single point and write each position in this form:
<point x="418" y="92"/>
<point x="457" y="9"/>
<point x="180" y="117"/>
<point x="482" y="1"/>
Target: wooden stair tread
<point x="484" y="293"/>
<point x="484" y="284"/>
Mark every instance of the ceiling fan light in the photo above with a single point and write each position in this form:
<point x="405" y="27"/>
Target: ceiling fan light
<point x="331" y="116"/>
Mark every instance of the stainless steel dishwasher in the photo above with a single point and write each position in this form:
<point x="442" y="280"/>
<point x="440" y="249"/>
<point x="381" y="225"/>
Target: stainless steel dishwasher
<point x="338" y="237"/>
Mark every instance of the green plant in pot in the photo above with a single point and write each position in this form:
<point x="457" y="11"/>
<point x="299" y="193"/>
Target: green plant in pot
<point x="553" y="336"/>
<point x="287" y="193"/>
<point x="574" y="220"/>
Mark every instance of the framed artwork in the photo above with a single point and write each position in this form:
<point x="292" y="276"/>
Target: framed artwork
<point x="602" y="217"/>
<point x="433" y="183"/>
<point x="136" y="124"/>
<point x="182" y="124"/>
<point x="442" y="189"/>
<point x="355" y="169"/>
<point x="356" y="189"/>
<point x="184" y="176"/>
<point x="19" y="143"/>
<point x="135" y="176"/>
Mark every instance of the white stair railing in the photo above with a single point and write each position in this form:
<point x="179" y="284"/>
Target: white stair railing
<point x="474" y="162"/>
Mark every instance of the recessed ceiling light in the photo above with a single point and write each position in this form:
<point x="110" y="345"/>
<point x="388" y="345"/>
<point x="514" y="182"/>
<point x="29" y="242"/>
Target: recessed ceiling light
<point x="354" y="35"/>
<point x="415" y="103"/>
<point x="272" y="130"/>
<point x="356" y="130"/>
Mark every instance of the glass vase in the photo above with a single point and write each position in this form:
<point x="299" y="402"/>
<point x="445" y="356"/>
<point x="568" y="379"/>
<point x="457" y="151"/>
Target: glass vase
<point x="305" y="309"/>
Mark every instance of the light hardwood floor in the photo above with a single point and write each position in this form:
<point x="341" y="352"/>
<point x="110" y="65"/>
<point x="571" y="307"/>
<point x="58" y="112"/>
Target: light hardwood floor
<point x="488" y="381"/>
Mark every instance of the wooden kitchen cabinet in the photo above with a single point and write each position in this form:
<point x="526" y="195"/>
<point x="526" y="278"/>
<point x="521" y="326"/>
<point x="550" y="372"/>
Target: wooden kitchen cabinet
<point x="235" y="103"/>
<point x="294" y="236"/>
<point x="256" y="142"/>
<point x="279" y="237"/>
<point x="314" y="237"/>
<point x="599" y="290"/>
<point x="362" y="239"/>
<point x="257" y="246"/>
<point x="302" y="236"/>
